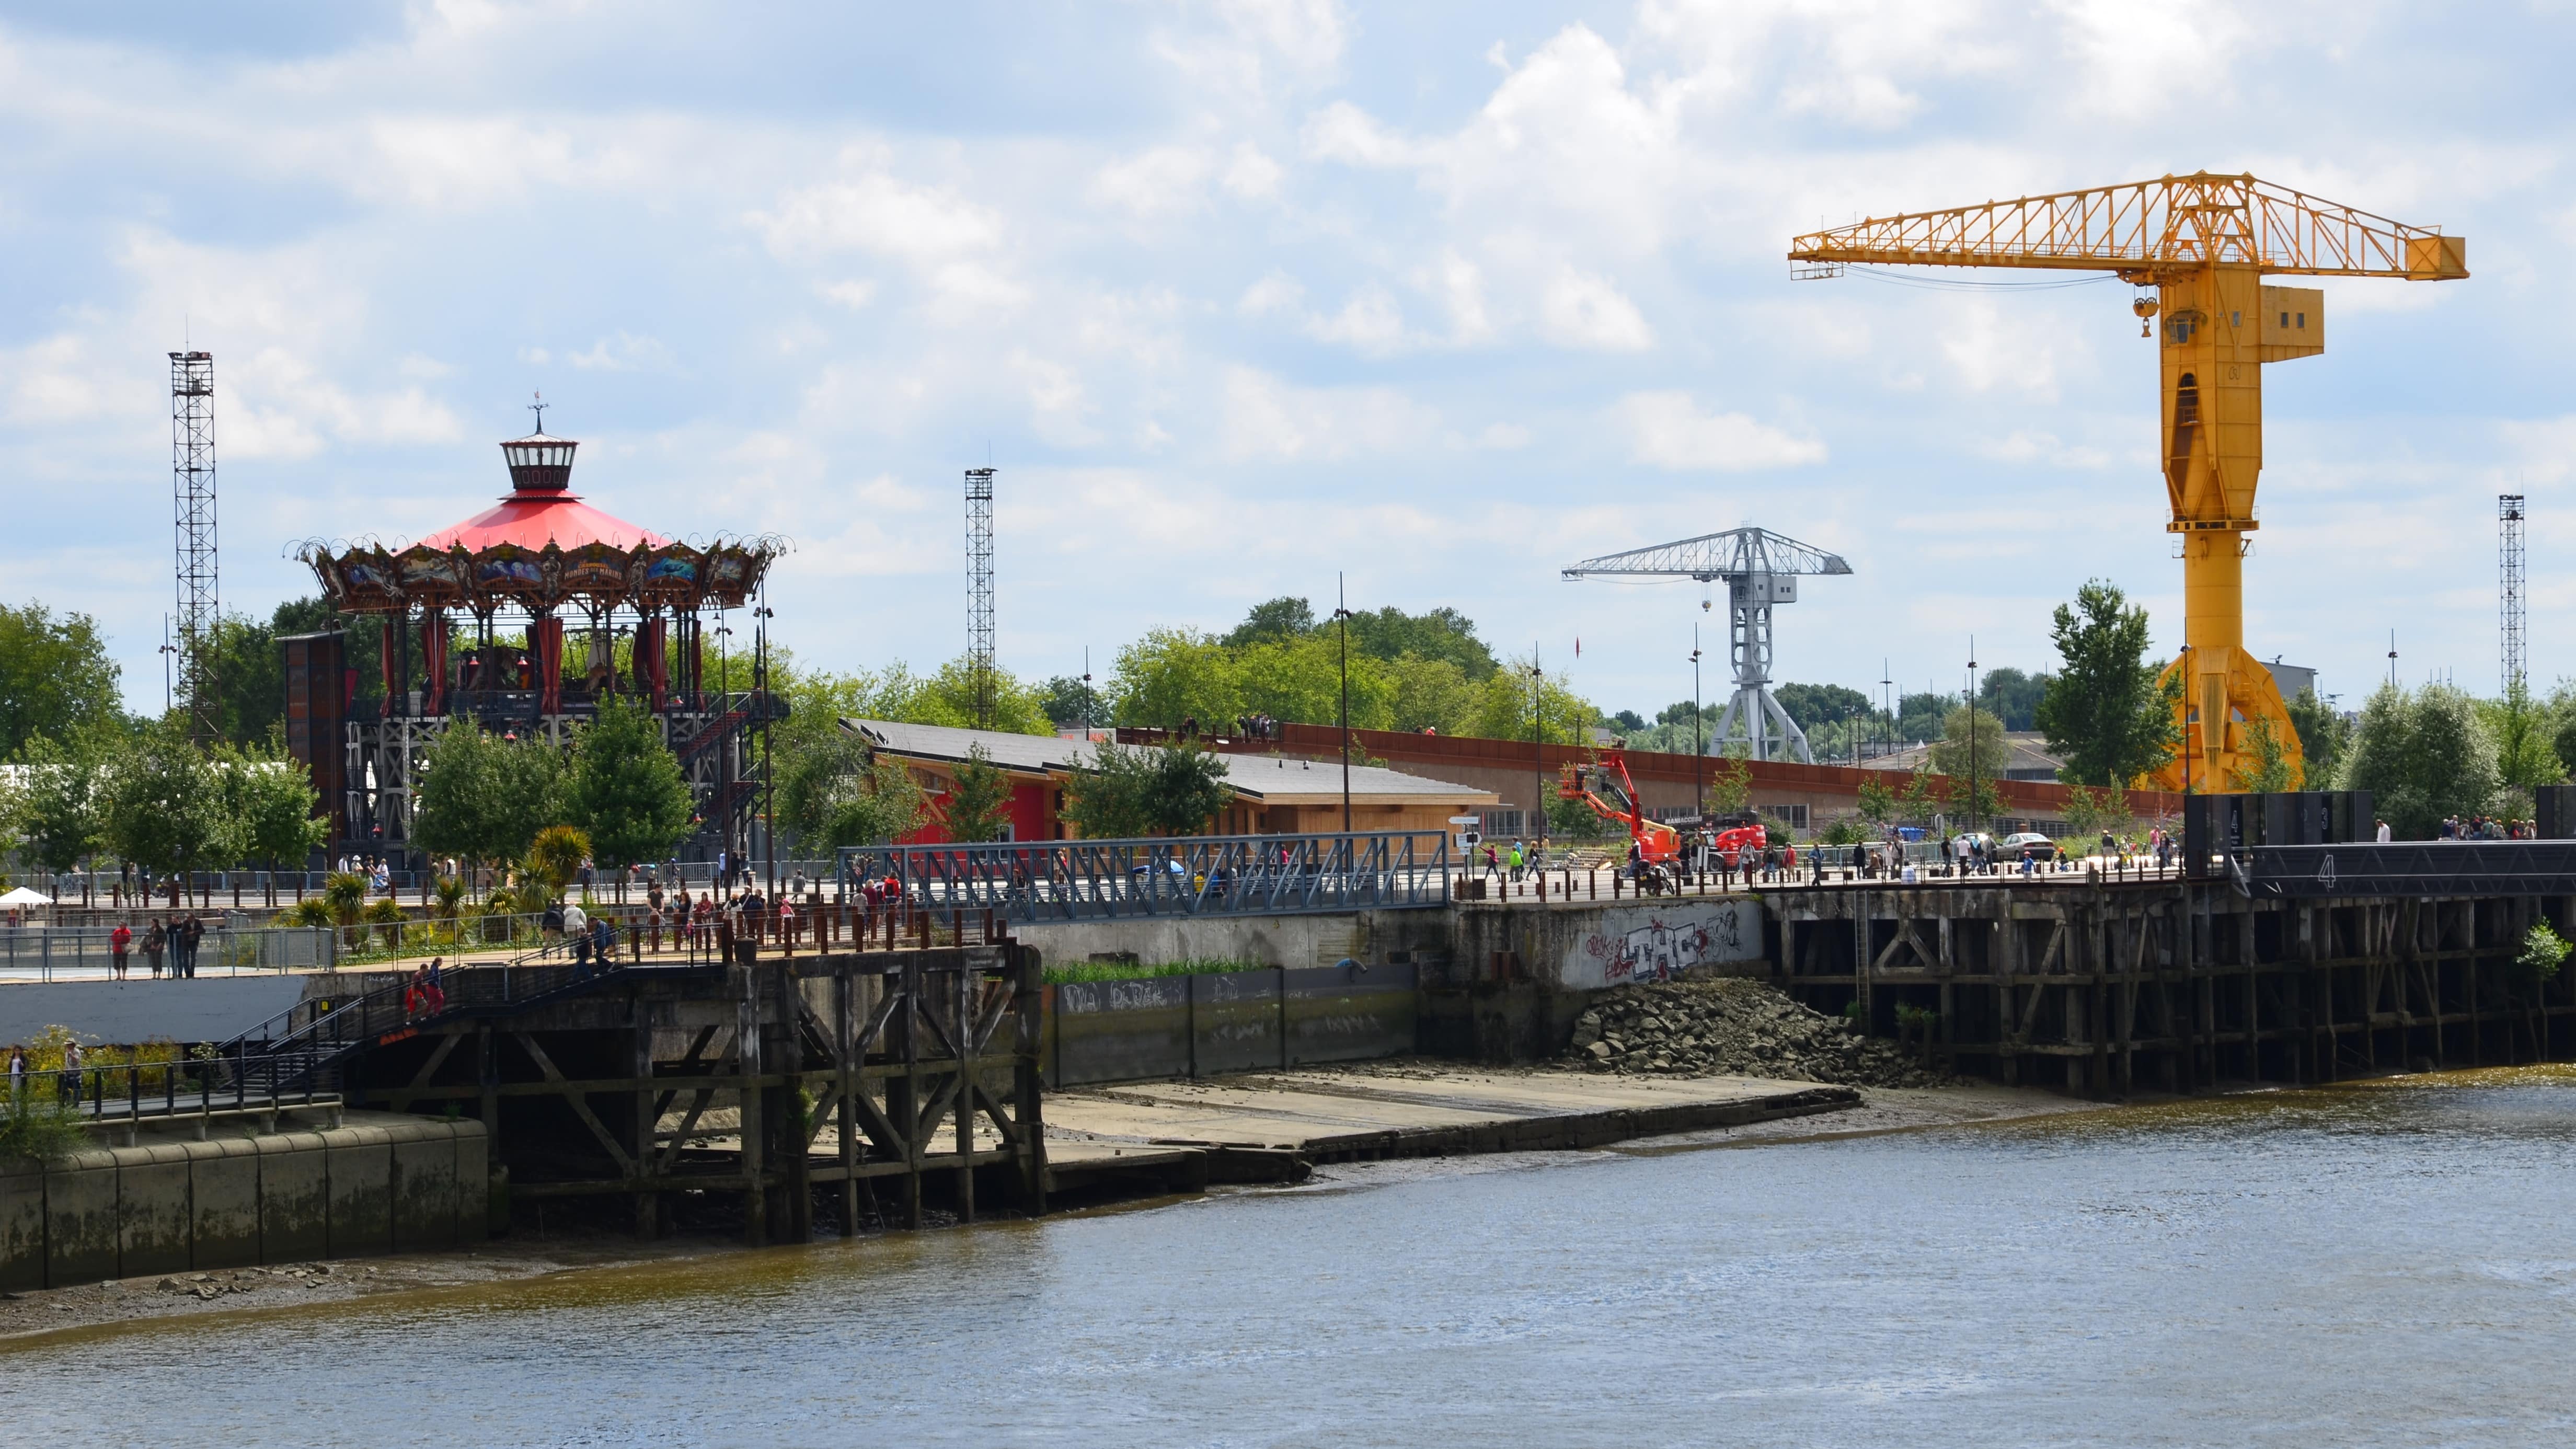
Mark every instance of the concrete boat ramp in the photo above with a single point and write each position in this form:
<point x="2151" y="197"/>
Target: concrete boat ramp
<point x="1180" y="1136"/>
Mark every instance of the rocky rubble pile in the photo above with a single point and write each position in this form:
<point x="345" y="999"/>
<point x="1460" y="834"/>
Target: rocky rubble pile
<point x="1734" y="1027"/>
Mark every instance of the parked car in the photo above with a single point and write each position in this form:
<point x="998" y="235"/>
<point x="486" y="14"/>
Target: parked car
<point x="2039" y="846"/>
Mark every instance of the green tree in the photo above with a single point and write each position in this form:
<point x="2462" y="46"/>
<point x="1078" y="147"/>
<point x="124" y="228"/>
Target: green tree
<point x="1730" y="785"/>
<point x="878" y="805"/>
<point x="2324" y="735"/>
<point x="166" y="807"/>
<point x="59" y="805"/>
<point x="2106" y="716"/>
<point x="1877" y="802"/>
<point x="2525" y="738"/>
<point x="1277" y="619"/>
<point x="1172" y="675"/>
<point x="978" y="803"/>
<point x="1188" y="787"/>
<point x="2012" y="696"/>
<point x="483" y="798"/>
<point x="270" y="794"/>
<point x="1444" y="634"/>
<point x="55" y="677"/>
<point x="1811" y="705"/>
<point x="1067" y="701"/>
<point x="1106" y="798"/>
<point x="2090" y="810"/>
<point x="2268" y="767"/>
<point x="1429" y="694"/>
<point x="625" y="789"/>
<point x="1972" y="742"/>
<point x="2422" y="755"/>
<point x="1503" y="708"/>
<point x="1919" y="716"/>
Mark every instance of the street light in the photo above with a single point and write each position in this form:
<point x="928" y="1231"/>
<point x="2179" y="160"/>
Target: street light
<point x="1972" y="730"/>
<point x="1699" y="765"/>
<point x="768" y="776"/>
<point x="1538" y="749"/>
<point x="1342" y="616"/>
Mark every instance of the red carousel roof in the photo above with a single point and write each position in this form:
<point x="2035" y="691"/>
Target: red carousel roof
<point x="560" y="519"/>
<point x="538" y="510"/>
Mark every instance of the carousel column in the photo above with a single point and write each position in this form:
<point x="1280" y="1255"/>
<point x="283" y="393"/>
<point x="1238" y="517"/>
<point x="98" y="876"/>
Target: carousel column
<point x="547" y="635"/>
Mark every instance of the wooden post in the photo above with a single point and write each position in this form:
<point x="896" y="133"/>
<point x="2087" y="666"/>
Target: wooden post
<point x="1027" y="1089"/>
<point x="846" y="1086"/>
<point x="746" y="1049"/>
<point x="903" y="1094"/>
<point x="962" y="1004"/>
<point x="648" y="1203"/>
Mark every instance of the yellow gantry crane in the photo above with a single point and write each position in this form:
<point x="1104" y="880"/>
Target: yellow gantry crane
<point x="2204" y="243"/>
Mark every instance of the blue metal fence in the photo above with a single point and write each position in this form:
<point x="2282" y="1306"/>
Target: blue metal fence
<point x="1196" y="875"/>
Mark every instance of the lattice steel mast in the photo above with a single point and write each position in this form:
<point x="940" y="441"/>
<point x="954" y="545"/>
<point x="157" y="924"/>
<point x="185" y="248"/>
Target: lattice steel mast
<point x="1761" y="569"/>
<point x="192" y="438"/>
<point x="2509" y="603"/>
<point x="979" y="596"/>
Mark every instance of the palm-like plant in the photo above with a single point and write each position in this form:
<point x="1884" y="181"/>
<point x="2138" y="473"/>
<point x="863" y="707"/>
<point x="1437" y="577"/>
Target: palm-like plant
<point x="344" y="894"/>
<point x="555" y="857"/>
<point x="389" y="917"/>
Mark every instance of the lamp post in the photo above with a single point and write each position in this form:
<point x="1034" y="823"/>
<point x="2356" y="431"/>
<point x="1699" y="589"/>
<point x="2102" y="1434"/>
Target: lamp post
<point x="1086" y="694"/>
<point x="768" y="777"/>
<point x="1538" y="749"/>
<point x="1342" y="616"/>
<point x="1699" y="754"/>
<point x="1972" y="730"/>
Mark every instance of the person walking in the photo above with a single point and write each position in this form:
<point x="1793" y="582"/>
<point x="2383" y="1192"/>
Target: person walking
<point x="155" y="941"/>
<point x="118" y="941"/>
<point x="17" y="1072"/>
<point x="68" y="1085"/>
<point x="2382" y="835"/>
<point x="192" y="932"/>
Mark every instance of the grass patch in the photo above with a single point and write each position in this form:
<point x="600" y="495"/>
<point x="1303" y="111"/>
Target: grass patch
<point x="1079" y="971"/>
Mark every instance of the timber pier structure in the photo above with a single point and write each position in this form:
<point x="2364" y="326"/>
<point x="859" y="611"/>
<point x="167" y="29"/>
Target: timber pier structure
<point x="2176" y="985"/>
<point x="874" y="1084"/>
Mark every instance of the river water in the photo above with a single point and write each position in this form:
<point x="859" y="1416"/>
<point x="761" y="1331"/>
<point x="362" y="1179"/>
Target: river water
<point x="2389" y="1263"/>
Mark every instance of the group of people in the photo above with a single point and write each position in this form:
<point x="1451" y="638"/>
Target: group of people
<point x="177" y="937"/>
<point x="2486" y="827"/>
<point x="425" y="994"/>
<point x="66" y="1081"/>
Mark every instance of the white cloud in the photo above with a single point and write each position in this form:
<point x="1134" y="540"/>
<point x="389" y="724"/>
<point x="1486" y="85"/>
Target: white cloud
<point x="1369" y="323"/>
<point x="1251" y="175"/>
<point x="1058" y="411"/>
<point x="851" y="294"/>
<point x="879" y="214"/>
<point x="1580" y="310"/>
<point x="1265" y="418"/>
<point x="1158" y="182"/>
<point x="1667" y="430"/>
<point x="2026" y="446"/>
<point x="1989" y="349"/>
<point x="625" y="352"/>
<point x="1273" y="294"/>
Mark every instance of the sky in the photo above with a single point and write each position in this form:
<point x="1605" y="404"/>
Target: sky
<point x="1243" y="296"/>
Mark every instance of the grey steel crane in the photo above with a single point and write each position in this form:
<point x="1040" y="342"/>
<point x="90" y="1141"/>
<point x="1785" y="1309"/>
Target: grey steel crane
<point x="1760" y="569"/>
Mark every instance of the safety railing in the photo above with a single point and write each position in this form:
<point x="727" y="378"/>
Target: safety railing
<point x="88" y="953"/>
<point x="1208" y="875"/>
<point x="238" y="1080"/>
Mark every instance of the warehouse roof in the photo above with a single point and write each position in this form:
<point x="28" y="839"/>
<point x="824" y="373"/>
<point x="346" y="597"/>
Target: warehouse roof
<point x="1270" y="779"/>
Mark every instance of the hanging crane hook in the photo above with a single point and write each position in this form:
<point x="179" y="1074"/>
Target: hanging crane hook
<point x="2146" y="307"/>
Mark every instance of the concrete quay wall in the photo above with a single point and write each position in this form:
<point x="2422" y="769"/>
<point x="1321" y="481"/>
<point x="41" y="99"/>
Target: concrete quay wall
<point x="1496" y="983"/>
<point x="378" y="1184"/>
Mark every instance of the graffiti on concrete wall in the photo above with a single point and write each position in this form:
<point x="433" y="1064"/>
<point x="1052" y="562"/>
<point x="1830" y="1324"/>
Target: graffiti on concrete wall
<point x="1659" y="943"/>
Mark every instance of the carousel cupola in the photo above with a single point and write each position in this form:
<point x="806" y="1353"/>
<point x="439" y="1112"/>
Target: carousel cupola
<point x="539" y="464"/>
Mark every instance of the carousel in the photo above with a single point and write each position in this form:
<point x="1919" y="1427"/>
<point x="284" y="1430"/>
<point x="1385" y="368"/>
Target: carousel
<point x="526" y="618"/>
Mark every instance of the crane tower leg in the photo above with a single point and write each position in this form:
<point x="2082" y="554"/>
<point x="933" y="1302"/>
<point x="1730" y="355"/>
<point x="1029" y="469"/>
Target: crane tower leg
<point x="2213" y="341"/>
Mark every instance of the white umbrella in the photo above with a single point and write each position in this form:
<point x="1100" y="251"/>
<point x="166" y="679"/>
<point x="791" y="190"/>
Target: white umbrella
<point x="25" y="897"/>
